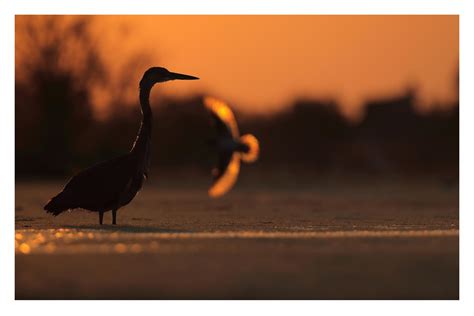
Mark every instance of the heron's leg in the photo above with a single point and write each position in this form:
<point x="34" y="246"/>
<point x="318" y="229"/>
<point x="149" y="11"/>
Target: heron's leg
<point x="101" y="217"/>
<point x="114" y="217"/>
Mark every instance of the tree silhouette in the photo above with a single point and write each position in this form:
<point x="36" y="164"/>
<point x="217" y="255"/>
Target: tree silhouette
<point x="52" y="92"/>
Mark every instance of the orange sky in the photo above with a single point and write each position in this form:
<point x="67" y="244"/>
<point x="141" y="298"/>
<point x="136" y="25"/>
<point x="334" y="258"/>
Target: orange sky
<point x="260" y="63"/>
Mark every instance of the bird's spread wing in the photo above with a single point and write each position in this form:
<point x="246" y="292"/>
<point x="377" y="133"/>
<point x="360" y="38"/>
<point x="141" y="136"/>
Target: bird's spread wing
<point x="223" y="116"/>
<point x="225" y="175"/>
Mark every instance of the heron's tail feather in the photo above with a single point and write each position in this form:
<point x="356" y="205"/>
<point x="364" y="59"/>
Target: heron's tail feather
<point x="254" y="148"/>
<point x="57" y="205"/>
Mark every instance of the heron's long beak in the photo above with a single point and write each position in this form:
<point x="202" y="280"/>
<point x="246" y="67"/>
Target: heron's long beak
<point x="177" y="76"/>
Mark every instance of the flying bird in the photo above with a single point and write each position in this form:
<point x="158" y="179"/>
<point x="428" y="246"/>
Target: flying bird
<point x="231" y="147"/>
<point x="114" y="183"/>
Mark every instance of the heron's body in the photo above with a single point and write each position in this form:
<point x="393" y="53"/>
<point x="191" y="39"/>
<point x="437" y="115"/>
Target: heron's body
<point x="112" y="184"/>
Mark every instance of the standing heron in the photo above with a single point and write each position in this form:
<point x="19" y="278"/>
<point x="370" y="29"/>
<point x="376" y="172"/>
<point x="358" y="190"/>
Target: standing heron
<point x="112" y="184"/>
<point x="231" y="147"/>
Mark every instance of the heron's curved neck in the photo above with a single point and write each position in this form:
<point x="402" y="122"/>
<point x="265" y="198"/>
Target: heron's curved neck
<point x="144" y="134"/>
<point x="145" y="101"/>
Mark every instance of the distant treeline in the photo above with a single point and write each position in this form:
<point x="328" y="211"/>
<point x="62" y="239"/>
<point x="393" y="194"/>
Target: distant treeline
<point x="62" y="136"/>
<point x="56" y="133"/>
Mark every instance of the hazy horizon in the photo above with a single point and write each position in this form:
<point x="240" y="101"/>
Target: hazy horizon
<point x="262" y="63"/>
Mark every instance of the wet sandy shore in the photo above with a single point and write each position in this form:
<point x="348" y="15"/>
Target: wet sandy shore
<point x="389" y="240"/>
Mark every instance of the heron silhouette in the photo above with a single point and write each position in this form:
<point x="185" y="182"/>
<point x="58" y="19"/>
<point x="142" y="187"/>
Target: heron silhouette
<point x="231" y="147"/>
<point x="111" y="184"/>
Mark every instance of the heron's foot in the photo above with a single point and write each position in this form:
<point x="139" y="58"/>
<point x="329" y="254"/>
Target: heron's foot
<point x="101" y="217"/>
<point x="114" y="217"/>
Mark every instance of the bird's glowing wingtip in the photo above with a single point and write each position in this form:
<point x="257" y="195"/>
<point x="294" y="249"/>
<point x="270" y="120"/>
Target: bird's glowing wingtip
<point x="254" y="148"/>
<point x="223" y="112"/>
<point x="222" y="185"/>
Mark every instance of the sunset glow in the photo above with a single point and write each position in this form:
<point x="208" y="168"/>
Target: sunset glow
<point x="262" y="63"/>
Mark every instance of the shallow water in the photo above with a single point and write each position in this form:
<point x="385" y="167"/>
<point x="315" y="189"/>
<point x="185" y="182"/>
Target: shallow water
<point x="335" y="239"/>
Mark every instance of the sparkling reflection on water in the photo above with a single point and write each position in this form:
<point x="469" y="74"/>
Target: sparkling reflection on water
<point x="75" y="240"/>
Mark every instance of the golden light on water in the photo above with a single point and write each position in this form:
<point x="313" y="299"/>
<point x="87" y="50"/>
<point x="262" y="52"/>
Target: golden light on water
<point x="76" y="241"/>
<point x="24" y="248"/>
<point x="120" y="248"/>
<point x="228" y="179"/>
<point x="159" y="242"/>
<point x="39" y="238"/>
<point x="224" y="113"/>
<point x="125" y="242"/>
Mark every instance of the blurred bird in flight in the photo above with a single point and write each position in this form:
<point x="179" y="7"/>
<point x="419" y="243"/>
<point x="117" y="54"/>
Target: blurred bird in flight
<point x="114" y="183"/>
<point x="231" y="147"/>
